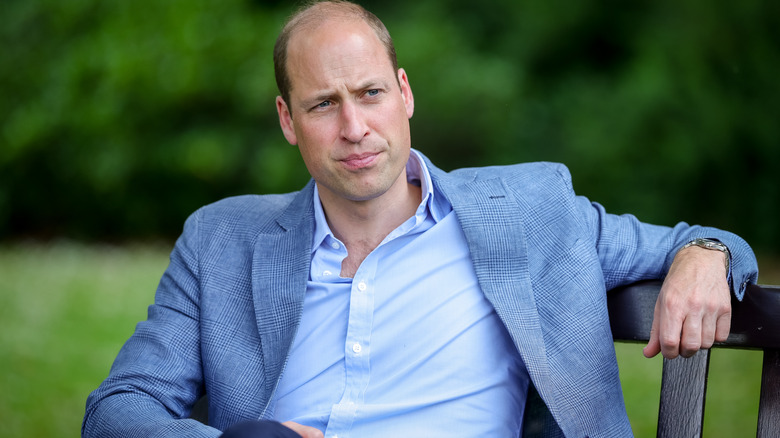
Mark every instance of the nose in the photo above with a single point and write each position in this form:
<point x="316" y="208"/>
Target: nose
<point x="353" y="124"/>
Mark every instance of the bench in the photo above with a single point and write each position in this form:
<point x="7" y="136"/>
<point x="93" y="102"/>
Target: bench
<point x="755" y="324"/>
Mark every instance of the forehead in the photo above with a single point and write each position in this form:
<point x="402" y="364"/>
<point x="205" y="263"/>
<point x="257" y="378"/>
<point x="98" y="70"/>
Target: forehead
<point x="335" y="51"/>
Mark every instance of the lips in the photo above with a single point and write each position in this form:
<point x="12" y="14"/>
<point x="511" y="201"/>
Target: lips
<point x="359" y="161"/>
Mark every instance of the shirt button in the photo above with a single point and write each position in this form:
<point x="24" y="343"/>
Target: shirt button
<point x="335" y="245"/>
<point x="357" y="348"/>
<point x="327" y="273"/>
<point x="362" y="286"/>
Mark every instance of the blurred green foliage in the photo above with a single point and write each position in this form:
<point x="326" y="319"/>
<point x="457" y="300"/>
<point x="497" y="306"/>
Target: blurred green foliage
<point x="120" y="118"/>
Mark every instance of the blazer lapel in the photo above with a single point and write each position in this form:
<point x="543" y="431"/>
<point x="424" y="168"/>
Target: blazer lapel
<point x="492" y="222"/>
<point x="280" y="270"/>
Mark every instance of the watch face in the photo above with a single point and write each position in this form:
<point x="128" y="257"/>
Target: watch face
<point x="714" y="245"/>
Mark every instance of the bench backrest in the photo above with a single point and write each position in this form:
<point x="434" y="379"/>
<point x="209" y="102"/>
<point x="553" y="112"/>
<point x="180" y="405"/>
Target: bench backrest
<point x="755" y="324"/>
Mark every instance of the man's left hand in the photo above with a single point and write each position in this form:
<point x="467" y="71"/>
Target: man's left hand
<point x="694" y="306"/>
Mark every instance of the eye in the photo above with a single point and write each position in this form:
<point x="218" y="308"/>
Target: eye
<point x="323" y="104"/>
<point x="372" y="93"/>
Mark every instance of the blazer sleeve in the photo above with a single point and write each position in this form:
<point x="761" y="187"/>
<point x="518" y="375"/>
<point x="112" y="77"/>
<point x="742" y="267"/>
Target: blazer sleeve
<point x="630" y="250"/>
<point x="157" y="376"/>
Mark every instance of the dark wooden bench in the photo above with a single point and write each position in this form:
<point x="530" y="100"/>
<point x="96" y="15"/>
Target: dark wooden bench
<point x="755" y="324"/>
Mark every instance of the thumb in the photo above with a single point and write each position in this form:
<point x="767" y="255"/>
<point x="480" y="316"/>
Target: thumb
<point x="303" y="431"/>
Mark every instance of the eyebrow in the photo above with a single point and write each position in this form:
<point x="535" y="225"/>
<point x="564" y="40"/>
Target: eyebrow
<point x="308" y="103"/>
<point x="369" y="84"/>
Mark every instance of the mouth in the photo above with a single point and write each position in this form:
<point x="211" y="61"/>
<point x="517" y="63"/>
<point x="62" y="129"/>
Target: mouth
<point x="359" y="161"/>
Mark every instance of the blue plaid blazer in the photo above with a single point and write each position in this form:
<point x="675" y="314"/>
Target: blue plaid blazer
<point x="227" y="308"/>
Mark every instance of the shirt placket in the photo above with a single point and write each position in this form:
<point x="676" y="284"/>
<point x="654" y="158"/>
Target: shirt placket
<point x="357" y="349"/>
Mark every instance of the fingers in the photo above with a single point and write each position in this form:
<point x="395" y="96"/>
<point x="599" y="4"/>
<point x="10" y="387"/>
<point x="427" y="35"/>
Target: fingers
<point x="696" y="334"/>
<point x="691" y="338"/>
<point x="709" y="324"/>
<point x="706" y="325"/>
<point x="653" y="346"/>
<point x="671" y="334"/>
<point x="304" y="431"/>
<point x="677" y="333"/>
<point x="269" y="428"/>
<point x="311" y="433"/>
<point x="723" y="327"/>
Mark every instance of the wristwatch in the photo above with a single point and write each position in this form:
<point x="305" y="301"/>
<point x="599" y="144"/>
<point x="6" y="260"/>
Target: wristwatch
<point x="710" y="244"/>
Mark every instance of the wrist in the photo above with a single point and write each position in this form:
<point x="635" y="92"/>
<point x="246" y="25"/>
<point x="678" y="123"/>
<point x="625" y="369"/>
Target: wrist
<point x="711" y="245"/>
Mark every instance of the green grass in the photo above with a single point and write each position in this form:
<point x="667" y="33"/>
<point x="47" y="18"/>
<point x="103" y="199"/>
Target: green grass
<point x="66" y="309"/>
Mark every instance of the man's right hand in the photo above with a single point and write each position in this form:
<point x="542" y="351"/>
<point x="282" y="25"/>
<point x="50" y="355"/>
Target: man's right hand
<point x="270" y="429"/>
<point x="303" y="431"/>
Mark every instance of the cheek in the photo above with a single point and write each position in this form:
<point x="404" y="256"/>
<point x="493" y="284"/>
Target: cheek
<point x="314" y="134"/>
<point x="313" y="150"/>
<point x="400" y="124"/>
<point x="309" y="160"/>
<point x="308" y="151"/>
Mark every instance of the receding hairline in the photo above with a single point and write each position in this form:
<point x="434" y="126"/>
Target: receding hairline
<point x="312" y="15"/>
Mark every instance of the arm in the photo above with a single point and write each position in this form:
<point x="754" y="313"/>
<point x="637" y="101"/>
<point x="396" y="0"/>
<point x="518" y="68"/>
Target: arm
<point x="694" y="307"/>
<point x="157" y="377"/>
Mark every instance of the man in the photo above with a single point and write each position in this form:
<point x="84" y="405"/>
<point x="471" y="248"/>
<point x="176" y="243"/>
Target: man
<point x="389" y="298"/>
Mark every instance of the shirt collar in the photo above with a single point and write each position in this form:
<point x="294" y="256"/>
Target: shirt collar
<point x="416" y="173"/>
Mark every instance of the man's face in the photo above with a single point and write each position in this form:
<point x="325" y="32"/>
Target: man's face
<point x="347" y="112"/>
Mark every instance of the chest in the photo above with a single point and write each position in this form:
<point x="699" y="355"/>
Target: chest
<point x="411" y="333"/>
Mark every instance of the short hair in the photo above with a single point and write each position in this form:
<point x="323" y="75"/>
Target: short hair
<point x="312" y="13"/>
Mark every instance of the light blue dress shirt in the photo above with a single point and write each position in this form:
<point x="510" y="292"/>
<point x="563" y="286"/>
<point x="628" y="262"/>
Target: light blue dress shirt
<point x="408" y="347"/>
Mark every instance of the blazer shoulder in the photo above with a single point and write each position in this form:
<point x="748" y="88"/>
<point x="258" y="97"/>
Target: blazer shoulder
<point x="258" y="213"/>
<point x="541" y="174"/>
<point x="261" y="205"/>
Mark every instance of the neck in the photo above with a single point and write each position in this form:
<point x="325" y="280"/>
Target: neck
<point x="363" y="225"/>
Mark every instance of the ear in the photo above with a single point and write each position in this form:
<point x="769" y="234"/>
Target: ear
<point x="406" y="92"/>
<point x="286" y="121"/>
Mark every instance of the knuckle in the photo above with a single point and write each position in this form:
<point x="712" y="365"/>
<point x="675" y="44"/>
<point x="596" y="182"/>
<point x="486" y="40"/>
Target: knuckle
<point x="721" y="337"/>
<point x="670" y="354"/>
<point x="698" y="306"/>
<point x="690" y="346"/>
<point x="719" y="308"/>
<point x="668" y="342"/>
<point x="671" y="303"/>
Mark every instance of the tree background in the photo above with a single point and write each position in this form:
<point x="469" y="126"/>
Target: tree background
<point x="118" y="119"/>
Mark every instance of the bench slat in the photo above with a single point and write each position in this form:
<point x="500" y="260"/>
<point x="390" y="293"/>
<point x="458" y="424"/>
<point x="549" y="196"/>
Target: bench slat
<point x="683" y="391"/>
<point x="769" y="404"/>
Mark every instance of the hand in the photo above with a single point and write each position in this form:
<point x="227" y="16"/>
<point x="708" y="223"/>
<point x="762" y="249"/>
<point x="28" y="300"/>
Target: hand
<point x="694" y="306"/>
<point x="270" y="428"/>
<point x="304" y="431"/>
